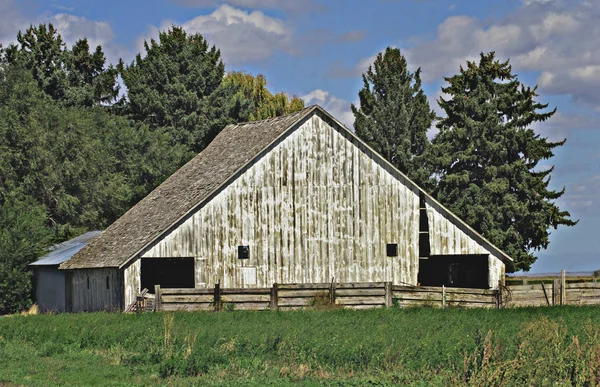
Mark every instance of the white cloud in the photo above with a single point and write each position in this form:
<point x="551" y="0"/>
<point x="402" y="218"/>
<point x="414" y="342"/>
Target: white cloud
<point x="11" y="21"/>
<point x="287" y="5"/>
<point x="242" y="36"/>
<point x="337" y="107"/>
<point x="560" y="41"/>
<point x="70" y="27"/>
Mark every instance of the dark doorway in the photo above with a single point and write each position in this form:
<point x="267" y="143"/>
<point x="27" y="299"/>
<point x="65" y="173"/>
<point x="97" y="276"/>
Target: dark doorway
<point x="168" y="273"/>
<point x="458" y="271"/>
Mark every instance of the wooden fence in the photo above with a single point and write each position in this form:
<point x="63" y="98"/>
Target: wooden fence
<point x="299" y="296"/>
<point x="374" y="295"/>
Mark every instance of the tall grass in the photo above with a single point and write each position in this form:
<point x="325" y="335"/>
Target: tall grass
<point x="535" y="346"/>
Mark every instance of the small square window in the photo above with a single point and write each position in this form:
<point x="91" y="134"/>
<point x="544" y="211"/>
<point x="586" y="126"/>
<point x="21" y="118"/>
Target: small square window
<point x="392" y="249"/>
<point x="243" y="252"/>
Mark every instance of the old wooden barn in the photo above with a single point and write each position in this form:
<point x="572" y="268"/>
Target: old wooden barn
<point x="294" y="199"/>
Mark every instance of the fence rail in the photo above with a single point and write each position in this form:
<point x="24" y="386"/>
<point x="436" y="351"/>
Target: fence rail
<point x="373" y="295"/>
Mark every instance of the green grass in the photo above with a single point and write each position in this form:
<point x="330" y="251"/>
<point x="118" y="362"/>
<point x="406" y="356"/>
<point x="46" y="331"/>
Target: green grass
<point x="416" y="347"/>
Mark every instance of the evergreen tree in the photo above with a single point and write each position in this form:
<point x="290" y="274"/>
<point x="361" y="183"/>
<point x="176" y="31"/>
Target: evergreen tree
<point x="265" y="105"/>
<point x="74" y="77"/>
<point x="486" y="157"/>
<point x="178" y="85"/>
<point x="394" y="114"/>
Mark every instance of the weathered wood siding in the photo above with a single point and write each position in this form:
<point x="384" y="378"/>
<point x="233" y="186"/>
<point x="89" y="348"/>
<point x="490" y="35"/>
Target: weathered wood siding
<point x="313" y="208"/>
<point x="97" y="296"/>
<point x="49" y="288"/>
<point x="448" y="237"/>
<point x="132" y="279"/>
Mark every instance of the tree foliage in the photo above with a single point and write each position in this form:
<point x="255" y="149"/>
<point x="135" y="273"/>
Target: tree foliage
<point x="394" y="114"/>
<point x="486" y="157"/>
<point x="85" y="166"/>
<point x="75" y="76"/>
<point x="178" y="85"/>
<point x="23" y="237"/>
<point x="264" y="103"/>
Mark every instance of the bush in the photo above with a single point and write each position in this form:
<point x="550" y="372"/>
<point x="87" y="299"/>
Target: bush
<point x="15" y="289"/>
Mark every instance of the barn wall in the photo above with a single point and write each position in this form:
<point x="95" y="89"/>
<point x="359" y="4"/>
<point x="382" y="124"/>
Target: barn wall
<point x="96" y="297"/>
<point x="132" y="285"/>
<point x="313" y="208"/>
<point x="449" y="237"/>
<point x="49" y="288"/>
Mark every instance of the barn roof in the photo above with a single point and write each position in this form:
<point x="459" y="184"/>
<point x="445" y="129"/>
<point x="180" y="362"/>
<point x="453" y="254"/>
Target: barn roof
<point x="233" y="149"/>
<point x="63" y="251"/>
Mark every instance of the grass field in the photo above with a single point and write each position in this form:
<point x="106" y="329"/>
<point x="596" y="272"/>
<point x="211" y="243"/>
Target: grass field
<point x="417" y="347"/>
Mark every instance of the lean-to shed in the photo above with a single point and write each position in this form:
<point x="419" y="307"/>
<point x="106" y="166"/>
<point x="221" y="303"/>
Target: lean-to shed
<point x="294" y="199"/>
<point x="48" y="280"/>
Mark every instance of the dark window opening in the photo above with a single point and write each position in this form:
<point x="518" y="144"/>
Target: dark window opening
<point x="107" y="285"/>
<point x="459" y="271"/>
<point x="424" y="247"/>
<point x="88" y="283"/>
<point x="392" y="249"/>
<point x="168" y="273"/>
<point x="243" y="252"/>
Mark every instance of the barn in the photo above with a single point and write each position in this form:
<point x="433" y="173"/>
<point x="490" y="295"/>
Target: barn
<point x="293" y="199"/>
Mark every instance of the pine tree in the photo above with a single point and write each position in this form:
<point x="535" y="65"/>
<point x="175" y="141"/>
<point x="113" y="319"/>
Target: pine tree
<point x="178" y="85"/>
<point x="486" y="157"/>
<point x="394" y="114"/>
<point x="74" y="77"/>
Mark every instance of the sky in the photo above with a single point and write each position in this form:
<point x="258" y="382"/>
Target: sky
<point x="318" y="49"/>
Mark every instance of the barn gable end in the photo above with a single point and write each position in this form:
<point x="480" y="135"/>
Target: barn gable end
<point x="315" y="207"/>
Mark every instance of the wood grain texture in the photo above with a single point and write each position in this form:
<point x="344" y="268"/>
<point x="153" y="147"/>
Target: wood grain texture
<point x="315" y="207"/>
<point x="96" y="296"/>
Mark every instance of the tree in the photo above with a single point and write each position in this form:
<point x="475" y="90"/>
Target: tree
<point x="486" y="157"/>
<point x="23" y="237"/>
<point x="178" y="85"/>
<point x="84" y="166"/>
<point x="394" y="114"/>
<point x="74" y="77"/>
<point x="265" y="105"/>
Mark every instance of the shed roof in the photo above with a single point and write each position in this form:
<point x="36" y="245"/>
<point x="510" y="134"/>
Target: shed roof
<point x="194" y="184"/>
<point x="65" y="250"/>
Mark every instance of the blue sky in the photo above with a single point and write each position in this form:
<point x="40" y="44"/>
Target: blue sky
<point x="317" y="49"/>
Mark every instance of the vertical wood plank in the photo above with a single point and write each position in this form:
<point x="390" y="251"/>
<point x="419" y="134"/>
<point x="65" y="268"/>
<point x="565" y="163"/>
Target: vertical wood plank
<point x="157" y="298"/>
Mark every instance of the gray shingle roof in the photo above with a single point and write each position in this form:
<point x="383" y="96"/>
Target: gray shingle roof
<point x="192" y="184"/>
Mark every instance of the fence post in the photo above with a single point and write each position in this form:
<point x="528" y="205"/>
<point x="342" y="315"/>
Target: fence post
<point x="217" y="296"/>
<point x="443" y="296"/>
<point x="157" y="298"/>
<point x="555" y="292"/>
<point x="388" y="294"/>
<point x="274" y="297"/>
<point x="332" y="288"/>
<point x="499" y="295"/>
<point x="563" y="287"/>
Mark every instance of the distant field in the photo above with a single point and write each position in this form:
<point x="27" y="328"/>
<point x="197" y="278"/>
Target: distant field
<point x="538" y="279"/>
<point x="417" y="347"/>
